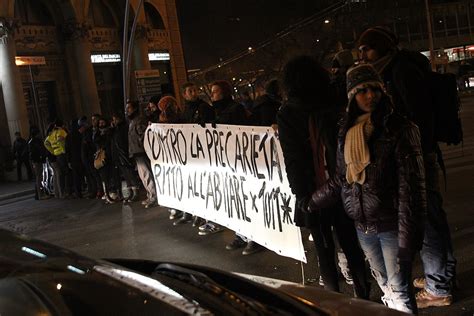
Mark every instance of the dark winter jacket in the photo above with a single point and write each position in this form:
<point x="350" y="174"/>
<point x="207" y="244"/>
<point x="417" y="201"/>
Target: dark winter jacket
<point x="198" y="112"/>
<point x="406" y="80"/>
<point x="136" y="133"/>
<point x="265" y="110"/>
<point x="230" y="112"/>
<point x="37" y="151"/>
<point x="102" y="140"/>
<point x="119" y="144"/>
<point x="293" y="129"/>
<point x="393" y="195"/>
<point x="87" y="148"/>
<point x="20" y="149"/>
<point x="74" y="147"/>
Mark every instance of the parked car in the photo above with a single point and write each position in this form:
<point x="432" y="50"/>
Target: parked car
<point x="37" y="278"/>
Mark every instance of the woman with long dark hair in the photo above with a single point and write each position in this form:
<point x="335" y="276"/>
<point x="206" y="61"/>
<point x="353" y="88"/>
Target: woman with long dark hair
<point x="380" y="178"/>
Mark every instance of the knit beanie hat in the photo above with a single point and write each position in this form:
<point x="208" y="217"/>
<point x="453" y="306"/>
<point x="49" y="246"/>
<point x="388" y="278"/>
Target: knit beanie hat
<point x="379" y="38"/>
<point x="360" y="77"/>
<point x="167" y="101"/>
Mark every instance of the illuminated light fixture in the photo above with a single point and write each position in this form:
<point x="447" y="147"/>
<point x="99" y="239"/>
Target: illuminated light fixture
<point x="219" y="66"/>
<point x="164" y="72"/>
<point x="158" y="56"/>
<point x="240" y="79"/>
<point x="33" y="252"/>
<point x="250" y="48"/>
<point x="250" y="85"/>
<point x="317" y="41"/>
<point x="326" y="21"/>
<point x="233" y="79"/>
<point x="470" y="48"/>
<point x="105" y="58"/>
<point x="59" y="286"/>
<point x="74" y="269"/>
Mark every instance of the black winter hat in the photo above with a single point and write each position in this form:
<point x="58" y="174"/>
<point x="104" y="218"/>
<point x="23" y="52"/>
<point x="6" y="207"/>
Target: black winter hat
<point x="360" y="77"/>
<point x="379" y="38"/>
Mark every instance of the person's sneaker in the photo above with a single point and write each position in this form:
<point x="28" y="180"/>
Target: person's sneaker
<point x="321" y="281"/>
<point x="151" y="203"/>
<point x="113" y="196"/>
<point x="347" y="276"/>
<point x="235" y="244"/>
<point x="251" y="248"/>
<point x="145" y="202"/>
<point x="425" y="299"/>
<point x="175" y="214"/>
<point x="419" y="283"/>
<point x="187" y="218"/>
<point x="310" y="237"/>
<point x="209" y="228"/>
<point x="197" y="221"/>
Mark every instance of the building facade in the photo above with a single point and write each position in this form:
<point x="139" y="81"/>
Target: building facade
<point x="77" y="69"/>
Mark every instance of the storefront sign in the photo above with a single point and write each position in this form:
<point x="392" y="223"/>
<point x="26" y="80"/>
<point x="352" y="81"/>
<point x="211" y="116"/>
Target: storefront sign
<point x="105" y="58"/>
<point x="231" y="175"/>
<point x="158" y="56"/>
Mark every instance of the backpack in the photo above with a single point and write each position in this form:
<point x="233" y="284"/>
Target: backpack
<point x="445" y="100"/>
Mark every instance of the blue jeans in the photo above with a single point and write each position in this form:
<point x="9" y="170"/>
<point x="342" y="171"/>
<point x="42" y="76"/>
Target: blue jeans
<point x="394" y="279"/>
<point x="439" y="263"/>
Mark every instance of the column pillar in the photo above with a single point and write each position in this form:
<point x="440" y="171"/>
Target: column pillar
<point x="10" y="80"/>
<point x="78" y="52"/>
<point x="139" y="56"/>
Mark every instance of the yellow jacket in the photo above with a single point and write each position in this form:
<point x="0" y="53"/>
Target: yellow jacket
<point x="55" y="143"/>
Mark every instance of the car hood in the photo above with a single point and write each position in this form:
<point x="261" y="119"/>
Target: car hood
<point x="124" y="286"/>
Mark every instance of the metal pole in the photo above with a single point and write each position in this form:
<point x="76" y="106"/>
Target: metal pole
<point x="430" y="35"/>
<point x="130" y="45"/>
<point x="35" y="101"/>
<point x="124" y="53"/>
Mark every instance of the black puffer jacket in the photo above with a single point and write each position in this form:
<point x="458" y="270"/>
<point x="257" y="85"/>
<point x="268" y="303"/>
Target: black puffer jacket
<point x="198" y="112"/>
<point x="393" y="196"/>
<point x="230" y="112"/>
<point x="406" y="80"/>
<point x="293" y="129"/>
<point x="265" y="110"/>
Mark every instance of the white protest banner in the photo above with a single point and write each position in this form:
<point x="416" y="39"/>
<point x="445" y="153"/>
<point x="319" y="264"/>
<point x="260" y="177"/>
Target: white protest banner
<point x="232" y="175"/>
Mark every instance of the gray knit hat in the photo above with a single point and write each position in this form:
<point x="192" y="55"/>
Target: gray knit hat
<point x="360" y="77"/>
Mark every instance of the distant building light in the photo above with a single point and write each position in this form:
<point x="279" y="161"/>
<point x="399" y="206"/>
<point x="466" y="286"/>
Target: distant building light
<point x="250" y="48"/>
<point x="440" y="21"/>
<point x="240" y="79"/>
<point x="250" y="85"/>
<point x="158" y="56"/>
<point x="59" y="286"/>
<point x="317" y="41"/>
<point x="219" y="66"/>
<point x="233" y="79"/>
<point x="164" y="72"/>
<point x="105" y="58"/>
<point x="326" y="21"/>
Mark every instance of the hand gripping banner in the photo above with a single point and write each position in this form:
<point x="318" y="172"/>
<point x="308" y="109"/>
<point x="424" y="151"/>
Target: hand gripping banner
<point x="232" y="175"/>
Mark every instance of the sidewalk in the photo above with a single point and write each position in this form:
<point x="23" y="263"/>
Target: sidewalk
<point x="10" y="188"/>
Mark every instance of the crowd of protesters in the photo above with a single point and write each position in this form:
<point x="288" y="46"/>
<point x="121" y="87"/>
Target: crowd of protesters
<point x="359" y="150"/>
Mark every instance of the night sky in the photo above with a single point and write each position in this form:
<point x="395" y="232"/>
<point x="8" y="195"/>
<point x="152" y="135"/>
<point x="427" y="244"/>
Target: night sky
<point x="213" y="29"/>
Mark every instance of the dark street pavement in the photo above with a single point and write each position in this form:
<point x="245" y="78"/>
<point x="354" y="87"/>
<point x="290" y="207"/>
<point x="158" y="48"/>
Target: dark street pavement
<point x="111" y="231"/>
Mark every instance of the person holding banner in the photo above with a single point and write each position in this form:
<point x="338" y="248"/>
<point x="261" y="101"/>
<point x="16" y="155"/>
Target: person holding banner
<point x="307" y="126"/>
<point x="136" y="133"/>
<point x="196" y="111"/>
<point x="380" y="178"/>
